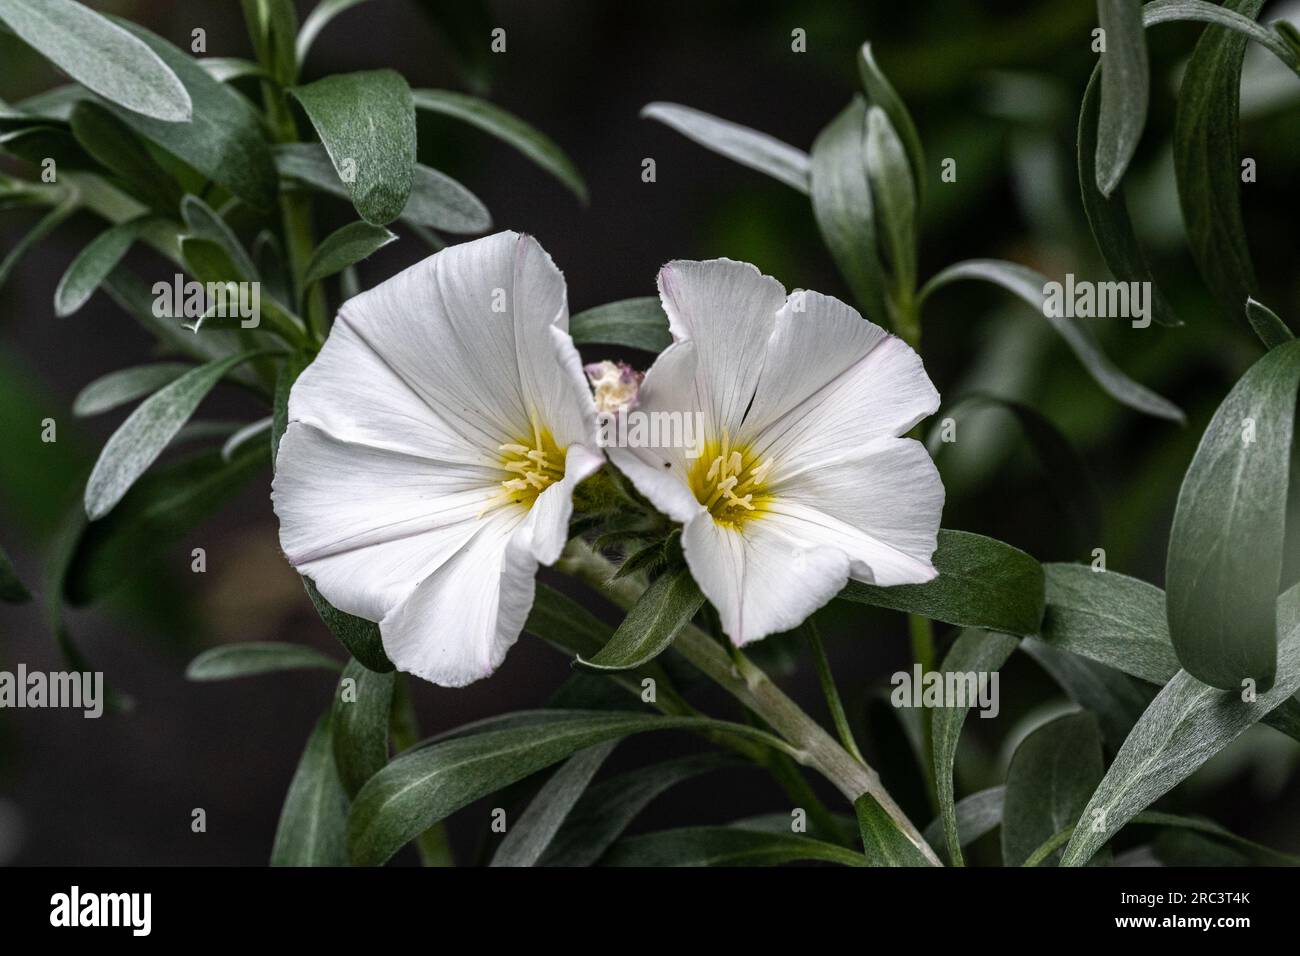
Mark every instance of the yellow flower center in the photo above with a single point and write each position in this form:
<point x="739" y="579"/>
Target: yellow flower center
<point x="729" y="480"/>
<point x="534" y="464"/>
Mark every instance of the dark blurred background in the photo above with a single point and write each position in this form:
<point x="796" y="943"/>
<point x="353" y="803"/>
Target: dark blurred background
<point x="994" y="85"/>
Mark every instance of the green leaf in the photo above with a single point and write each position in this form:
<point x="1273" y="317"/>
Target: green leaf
<point x="882" y="842"/>
<point x="140" y="439"/>
<point x="290" y="369"/>
<point x="436" y="201"/>
<point x="125" y="385"/>
<point x="1029" y="286"/>
<point x="424" y="785"/>
<point x="203" y="222"/>
<point x="94" y="264"/>
<point x="227" y="68"/>
<point x="978" y="652"/>
<point x="104" y="135"/>
<point x="12" y="590"/>
<point x="158" y="510"/>
<point x="880" y="92"/>
<point x="225" y="140"/>
<point x="366" y="122"/>
<point x="1051" y="776"/>
<point x="530" y="835"/>
<point x="1207" y="160"/>
<point x="272" y="26"/>
<point x="654" y="621"/>
<point x="314" y="815"/>
<point x="1226" y="549"/>
<point x="637" y="323"/>
<point x="1125" y="89"/>
<point x="99" y="55"/>
<point x="733" y="846"/>
<point x="1187" y="724"/>
<point x="1117" y="699"/>
<point x="344" y="247"/>
<point x="982" y="583"/>
<point x="738" y="143"/>
<point x="362" y="704"/>
<point x="211" y="261"/>
<point x="316" y="21"/>
<point x="895" y="195"/>
<point x="608" y="808"/>
<point x="1270" y="328"/>
<point x="44" y="226"/>
<point x="844" y="208"/>
<point x="1169" y="11"/>
<point x="1108" y="216"/>
<point x="508" y="128"/>
<point x="977" y="815"/>
<point x="252" y="658"/>
<point x="244" y="435"/>
<point x="1067" y="473"/>
<point x="359" y="636"/>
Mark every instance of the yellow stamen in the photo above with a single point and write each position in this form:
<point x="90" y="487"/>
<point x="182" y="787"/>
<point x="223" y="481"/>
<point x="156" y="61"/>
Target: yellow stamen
<point x="729" y="482"/>
<point x="531" y="464"/>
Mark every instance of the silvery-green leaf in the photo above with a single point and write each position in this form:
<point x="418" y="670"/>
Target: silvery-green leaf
<point x="1125" y="85"/>
<point x="243" y="436"/>
<point x="1187" y="724"/>
<point x="738" y="143"/>
<point x="344" y="247"/>
<point x="1117" y="699"/>
<point x="508" y="128"/>
<point x="1029" y="285"/>
<point x="251" y="658"/>
<point x="227" y="68"/>
<point x="895" y="196"/>
<point x="94" y="264"/>
<point x="1270" y="328"/>
<point x="880" y="92"/>
<point x="638" y="323"/>
<point x="107" y="137"/>
<point x="883" y="844"/>
<point x="650" y="626"/>
<point x="100" y="55"/>
<point x="527" y="839"/>
<point x="977" y="815"/>
<point x="363" y="702"/>
<point x="317" y="20"/>
<point x="312" y="820"/>
<point x="125" y="385"/>
<point x="366" y="121"/>
<point x="203" y="221"/>
<point x="725" y="846"/>
<point x="359" y="636"/>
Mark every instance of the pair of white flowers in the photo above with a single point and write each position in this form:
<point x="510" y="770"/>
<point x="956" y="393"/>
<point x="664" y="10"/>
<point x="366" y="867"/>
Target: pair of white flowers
<point x="434" y="445"/>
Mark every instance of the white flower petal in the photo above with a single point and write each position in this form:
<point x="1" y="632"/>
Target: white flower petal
<point x="727" y="309"/>
<point x="367" y="524"/>
<point x="760" y="580"/>
<point x="545" y="531"/>
<point x="456" y="627"/>
<point x="881" y="507"/>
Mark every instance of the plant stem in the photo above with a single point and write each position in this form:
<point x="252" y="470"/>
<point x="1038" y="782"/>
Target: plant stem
<point x="747" y="683"/>
<point x="832" y="694"/>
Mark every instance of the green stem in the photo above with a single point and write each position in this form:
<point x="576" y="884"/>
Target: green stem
<point x="832" y="694"/>
<point x="813" y="746"/>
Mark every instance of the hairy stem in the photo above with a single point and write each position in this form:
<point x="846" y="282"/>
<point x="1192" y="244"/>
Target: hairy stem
<point x="748" y="684"/>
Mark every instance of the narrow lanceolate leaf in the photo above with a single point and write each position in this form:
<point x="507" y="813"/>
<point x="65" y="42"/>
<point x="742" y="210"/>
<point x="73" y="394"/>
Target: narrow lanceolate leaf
<point x="725" y="846"/>
<point x="436" y="200"/>
<point x="606" y="809"/>
<point x="1187" y="724"/>
<point x="243" y="436"/>
<point x="314" y="815"/>
<point x="883" y="844"/>
<point x="637" y="323"/>
<point x="125" y="385"/>
<point x="1030" y="286"/>
<point x="100" y="55"/>
<point x="977" y="815"/>
<point x="203" y="221"/>
<point x="982" y="583"/>
<point x="225" y="141"/>
<point x="1270" y="328"/>
<point x="655" y="620"/>
<point x="359" y="636"/>
<point x="975" y="652"/>
<point x="509" y="129"/>
<point x="424" y="785"/>
<point x="1125" y="86"/>
<point x="1117" y="699"/>
<point x="316" y="21"/>
<point x="104" y="135"/>
<point x="529" y="836"/>
<point x="880" y="92"/>
<point x="895" y="196"/>
<point x="93" y="265"/>
<point x="363" y="702"/>
<point x="1226" y="549"/>
<point x="1207" y="160"/>
<point x="366" y="122"/>
<point x="844" y="208"/>
<point x="12" y="590"/>
<point x="738" y="143"/>
<point x="252" y="658"/>
<point x="1207" y="11"/>
<point x="141" y="438"/>
<point x="273" y="27"/>
<point x="344" y="247"/>
<point x="1108" y="216"/>
<point x="1052" y="774"/>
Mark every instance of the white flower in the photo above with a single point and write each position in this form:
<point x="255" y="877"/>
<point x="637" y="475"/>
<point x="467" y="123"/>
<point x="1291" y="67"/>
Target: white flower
<point x="804" y="481"/>
<point x="432" y="450"/>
